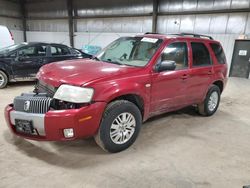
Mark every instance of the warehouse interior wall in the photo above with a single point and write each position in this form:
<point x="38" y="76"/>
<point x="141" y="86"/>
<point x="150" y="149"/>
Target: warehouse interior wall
<point x="10" y="14"/>
<point x="99" y="23"/>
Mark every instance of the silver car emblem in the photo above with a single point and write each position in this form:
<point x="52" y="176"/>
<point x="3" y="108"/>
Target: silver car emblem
<point x="26" y="106"/>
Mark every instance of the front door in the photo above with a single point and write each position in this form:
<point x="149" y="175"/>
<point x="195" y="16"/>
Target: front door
<point x="28" y="61"/>
<point x="240" y="66"/>
<point x="169" y="87"/>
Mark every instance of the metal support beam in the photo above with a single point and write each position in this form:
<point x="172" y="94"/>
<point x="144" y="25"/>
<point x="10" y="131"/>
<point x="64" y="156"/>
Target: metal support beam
<point x="23" y="12"/>
<point x="155" y="15"/>
<point x="71" y="22"/>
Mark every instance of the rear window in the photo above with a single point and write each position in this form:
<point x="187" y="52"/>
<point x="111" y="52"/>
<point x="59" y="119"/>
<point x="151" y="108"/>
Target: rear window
<point x="218" y="51"/>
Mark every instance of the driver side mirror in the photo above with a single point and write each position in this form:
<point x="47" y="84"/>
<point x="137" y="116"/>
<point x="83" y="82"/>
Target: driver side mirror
<point x="166" y="65"/>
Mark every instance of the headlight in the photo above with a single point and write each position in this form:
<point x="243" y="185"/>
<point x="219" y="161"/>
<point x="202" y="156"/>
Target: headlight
<point x="74" y="94"/>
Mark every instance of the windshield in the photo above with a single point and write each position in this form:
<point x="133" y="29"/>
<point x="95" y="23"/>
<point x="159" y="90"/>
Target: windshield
<point x="10" y="48"/>
<point x="131" y="51"/>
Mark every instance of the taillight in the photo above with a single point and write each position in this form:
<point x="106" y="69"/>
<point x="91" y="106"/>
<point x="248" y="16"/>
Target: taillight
<point x="11" y="35"/>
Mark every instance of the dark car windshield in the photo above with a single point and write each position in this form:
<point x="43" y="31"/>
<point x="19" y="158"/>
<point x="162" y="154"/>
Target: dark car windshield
<point x="11" y="48"/>
<point x="132" y="51"/>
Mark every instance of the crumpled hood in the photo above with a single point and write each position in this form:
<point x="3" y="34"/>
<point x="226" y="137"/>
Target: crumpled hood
<point x="79" y="72"/>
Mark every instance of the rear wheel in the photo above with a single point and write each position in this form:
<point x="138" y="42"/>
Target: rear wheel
<point x="3" y="79"/>
<point x="120" y="126"/>
<point x="211" y="102"/>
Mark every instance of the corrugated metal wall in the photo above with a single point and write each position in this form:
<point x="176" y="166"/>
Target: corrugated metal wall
<point x="9" y="11"/>
<point x="110" y="16"/>
<point x="109" y="19"/>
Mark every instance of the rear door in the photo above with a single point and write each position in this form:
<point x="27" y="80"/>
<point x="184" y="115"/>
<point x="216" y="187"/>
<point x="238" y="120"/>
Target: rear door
<point x="28" y="61"/>
<point x="59" y="53"/>
<point x="169" y="87"/>
<point x="201" y="72"/>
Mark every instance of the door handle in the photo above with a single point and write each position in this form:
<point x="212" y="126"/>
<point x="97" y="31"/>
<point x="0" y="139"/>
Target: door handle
<point x="210" y="72"/>
<point x="184" y="77"/>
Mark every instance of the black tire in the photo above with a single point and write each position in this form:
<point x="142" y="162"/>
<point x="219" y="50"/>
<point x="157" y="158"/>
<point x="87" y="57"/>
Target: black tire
<point x="203" y="108"/>
<point x="113" y="110"/>
<point x="3" y="80"/>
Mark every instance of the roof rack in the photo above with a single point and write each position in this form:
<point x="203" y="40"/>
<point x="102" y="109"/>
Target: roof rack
<point x="185" y="34"/>
<point x="195" y="35"/>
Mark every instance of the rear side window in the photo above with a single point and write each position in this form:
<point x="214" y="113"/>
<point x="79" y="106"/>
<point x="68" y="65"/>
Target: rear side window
<point x="218" y="51"/>
<point x="201" y="55"/>
<point x="57" y="51"/>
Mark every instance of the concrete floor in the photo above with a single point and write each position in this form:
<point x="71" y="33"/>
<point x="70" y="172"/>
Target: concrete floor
<point x="179" y="149"/>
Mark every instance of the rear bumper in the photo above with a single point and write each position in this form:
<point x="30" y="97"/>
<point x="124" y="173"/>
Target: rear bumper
<point x="49" y="127"/>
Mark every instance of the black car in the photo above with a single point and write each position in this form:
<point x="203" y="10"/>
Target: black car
<point x="21" y="62"/>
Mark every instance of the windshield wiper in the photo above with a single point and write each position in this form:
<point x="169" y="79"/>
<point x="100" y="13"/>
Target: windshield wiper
<point x="95" y="58"/>
<point x="114" y="62"/>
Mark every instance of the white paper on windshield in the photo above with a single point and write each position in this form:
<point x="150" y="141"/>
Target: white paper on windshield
<point x="151" y="40"/>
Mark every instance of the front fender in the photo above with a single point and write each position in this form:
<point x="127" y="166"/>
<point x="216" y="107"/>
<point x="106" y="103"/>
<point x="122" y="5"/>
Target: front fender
<point x="111" y="90"/>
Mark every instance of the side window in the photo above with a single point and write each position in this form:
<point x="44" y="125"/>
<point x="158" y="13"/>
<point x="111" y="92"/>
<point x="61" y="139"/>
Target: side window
<point x="201" y="55"/>
<point x="12" y="55"/>
<point x="75" y="52"/>
<point x="41" y="50"/>
<point x="176" y="52"/>
<point x="32" y="51"/>
<point x="57" y="51"/>
<point x="27" y="51"/>
<point x="218" y="51"/>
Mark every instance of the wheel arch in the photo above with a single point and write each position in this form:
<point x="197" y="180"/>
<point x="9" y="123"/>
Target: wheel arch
<point x="134" y="98"/>
<point x="220" y="84"/>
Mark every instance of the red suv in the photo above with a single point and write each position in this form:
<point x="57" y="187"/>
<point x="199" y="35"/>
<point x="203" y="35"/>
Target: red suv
<point x="129" y="81"/>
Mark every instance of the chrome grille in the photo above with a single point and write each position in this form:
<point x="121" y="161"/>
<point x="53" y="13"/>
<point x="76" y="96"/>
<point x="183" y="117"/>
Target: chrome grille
<point x="32" y="103"/>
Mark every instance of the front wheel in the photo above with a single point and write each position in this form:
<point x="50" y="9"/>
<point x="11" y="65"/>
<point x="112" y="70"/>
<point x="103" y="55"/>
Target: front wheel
<point x="3" y="80"/>
<point x="211" y="102"/>
<point x="120" y="126"/>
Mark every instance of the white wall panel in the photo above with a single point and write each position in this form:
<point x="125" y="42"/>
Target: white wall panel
<point x="237" y="23"/>
<point x="57" y="37"/>
<point x="187" y="24"/>
<point x="99" y="39"/>
<point x="218" y="23"/>
<point x="202" y="23"/>
<point x="120" y="25"/>
<point x="48" y="25"/>
<point x="18" y="36"/>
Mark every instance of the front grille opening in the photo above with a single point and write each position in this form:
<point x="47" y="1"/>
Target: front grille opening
<point x="63" y="105"/>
